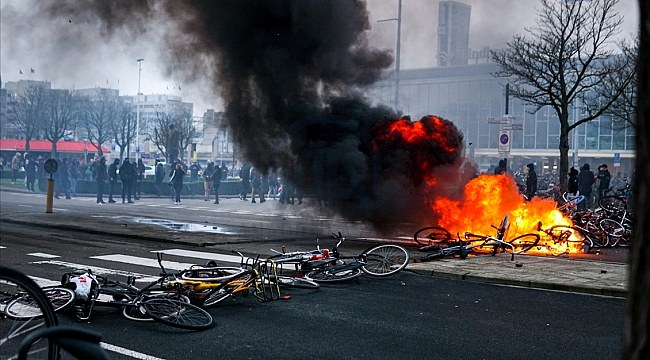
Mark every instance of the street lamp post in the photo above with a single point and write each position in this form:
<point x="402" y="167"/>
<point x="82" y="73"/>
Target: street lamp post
<point x="137" y="121"/>
<point x="398" y="50"/>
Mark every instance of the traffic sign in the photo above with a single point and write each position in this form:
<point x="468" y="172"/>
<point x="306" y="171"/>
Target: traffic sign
<point x="500" y="120"/>
<point x="137" y="149"/>
<point x="504" y="142"/>
<point x="512" y="127"/>
<point x="617" y="159"/>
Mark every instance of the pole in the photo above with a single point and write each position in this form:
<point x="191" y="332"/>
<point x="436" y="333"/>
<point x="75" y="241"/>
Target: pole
<point x="49" y="202"/>
<point x="397" y="54"/>
<point x="507" y="96"/>
<point x="137" y="126"/>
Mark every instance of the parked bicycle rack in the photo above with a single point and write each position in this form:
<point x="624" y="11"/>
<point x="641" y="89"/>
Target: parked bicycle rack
<point x="265" y="290"/>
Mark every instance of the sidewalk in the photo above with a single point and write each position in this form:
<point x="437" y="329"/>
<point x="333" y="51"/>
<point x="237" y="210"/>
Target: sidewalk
<point x="551" y="273"/>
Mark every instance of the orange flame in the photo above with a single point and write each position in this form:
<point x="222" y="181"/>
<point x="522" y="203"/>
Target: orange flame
<point x="488" y="199"/>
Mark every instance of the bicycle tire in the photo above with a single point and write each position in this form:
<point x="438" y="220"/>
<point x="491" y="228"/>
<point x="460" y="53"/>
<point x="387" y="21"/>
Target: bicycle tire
<point x="134" y="313"/>
<point x="523" y="243"/>
<point x="571" y="203"/>
<point x="325" y="275"/>
<point x="12" y="329"/>
<point x="214" y="297"/>
<point x="385" y="260"/>
<point x="613" y="203"/>
<point x="60" y="298"/>
<point x="295" y="282"/>
<point x="178" y="314"/>
<point x="431" y="235"/>
<point x="612" y="228"/>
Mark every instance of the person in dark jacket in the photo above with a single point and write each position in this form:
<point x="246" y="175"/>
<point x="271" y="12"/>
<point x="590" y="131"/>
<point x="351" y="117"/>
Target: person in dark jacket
<point x="572" y="187"/>
<point x="30" y="172"/>
<point x="74" y="175"/>
<point x="101" y="177"/>
<point x="208" y="172"/>
<point x="127" y="176"/>
<point x="216" y="182"/>
<point x="604" y="176"/>
<point x="501" y="168"/>
<point x="194" y="171"/>
<point x="176" y="180"/>
<point x="158" y="178"/>
<point x="137" y="182"/>
<point x="244" y="177"/>
<point x="63" y="179"/>
<point x="531" y="181"/>
<point x="112" y="178"/>
<point x="586" y="180"/>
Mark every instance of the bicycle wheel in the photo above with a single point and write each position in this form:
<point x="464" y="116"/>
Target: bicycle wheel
<point x="59" y="298"/>
<point x="385" y="260"/>
<point x="326" y="275"/>
<point x="296" y="282"/>
<point x="571" y="203"/>
<point x="613" y="203"/>
<point x="135" y="313"/>
<point x="523" y="243"/>
<point x="32" y="312"/>
<point x="431" y="235"/>
<point x="613" y="228"/>
<point x="215" y="297"/>
<point x="178" y="314"/>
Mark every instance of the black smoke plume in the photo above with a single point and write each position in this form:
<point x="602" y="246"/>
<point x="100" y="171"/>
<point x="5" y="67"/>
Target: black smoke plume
<point x="291" y="74"/>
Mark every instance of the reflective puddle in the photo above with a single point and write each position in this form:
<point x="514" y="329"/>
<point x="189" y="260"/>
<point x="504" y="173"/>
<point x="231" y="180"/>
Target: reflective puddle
<point x="182" y="226"/>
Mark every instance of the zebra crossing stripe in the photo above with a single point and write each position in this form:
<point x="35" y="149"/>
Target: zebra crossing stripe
<point x="44" y="255"/>
<point x="98" y="270"/>
<point x="44" y="282"/>
<point x="132" y="353"/>
<point x="134" y="260"/>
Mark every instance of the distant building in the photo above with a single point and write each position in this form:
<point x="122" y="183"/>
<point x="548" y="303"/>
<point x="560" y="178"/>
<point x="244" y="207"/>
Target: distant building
<point x="453" y="33"/>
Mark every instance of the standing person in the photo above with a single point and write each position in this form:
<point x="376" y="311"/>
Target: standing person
<point x="63" y="180"/>
<point x="93" y="168"/>
<point x="586" y="180"/>
<point x="158" y="177"/>
<point x="127" y="175"/>
<point x="216" y="182"/>
<point x="224" y="172"/>
<point x="194" y="171"/>
<point x="112" y="177"/>
<point x="83" y="169"/>
<point x="531" y="181"/>
<point x="74" y="175"/>
<point x="101" y="177"/>
<point x="138" y="179"/>
<point x="273" y="184"/>
<point x="244" y="177"/>
<point x="604" y="176"/>
<point x="15" y="165"/>
<point x="208" y="173"/>
<point x="501" y="169"/>
<point x="256" y="182"/>
<point x="176" y="179"/>
<point x="30" y="172"/>
<point x="572" y="187"/>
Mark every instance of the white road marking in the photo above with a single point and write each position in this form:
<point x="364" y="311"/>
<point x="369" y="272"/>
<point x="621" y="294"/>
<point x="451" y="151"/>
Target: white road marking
<point x="45" y="282"/>
<point x="44" y="255"/>
<point x="98" y="270"/>
<point x="127" y="352"/>
<point x="2" y="247"/>
<point x="134" y="260"/>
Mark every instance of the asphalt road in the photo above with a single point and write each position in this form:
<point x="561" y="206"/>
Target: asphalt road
<point x="404" y="316"/>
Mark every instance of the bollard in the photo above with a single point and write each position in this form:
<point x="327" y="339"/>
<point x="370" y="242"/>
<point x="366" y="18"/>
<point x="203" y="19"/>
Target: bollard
<point x="49" y="198"/>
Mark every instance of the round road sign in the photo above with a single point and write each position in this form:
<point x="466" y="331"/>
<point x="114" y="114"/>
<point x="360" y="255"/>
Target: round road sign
<point x="50" y="166"/>
<point x="504" y="139"/>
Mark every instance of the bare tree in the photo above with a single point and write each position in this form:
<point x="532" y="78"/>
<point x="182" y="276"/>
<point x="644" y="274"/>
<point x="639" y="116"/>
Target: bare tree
<point x="28" y="112"/>
<point x="124" y="125"/>
<point x="568" y="55"/>
<point x="623" y="110"/>
<point x="97" y="117"/>
<point x="172" y="134"/>
<point x="637" y="313"/>
<point x="60" y="115"/>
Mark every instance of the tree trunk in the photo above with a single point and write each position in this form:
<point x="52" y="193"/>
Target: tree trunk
<point x="637" y="313"/>
<point x="53" y="149"/>
<point x="27" y="140"/>
<point x="564" y="151"/>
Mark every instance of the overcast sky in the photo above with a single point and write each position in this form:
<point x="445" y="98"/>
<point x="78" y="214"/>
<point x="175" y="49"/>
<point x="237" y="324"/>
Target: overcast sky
<point x="72" y="55"/>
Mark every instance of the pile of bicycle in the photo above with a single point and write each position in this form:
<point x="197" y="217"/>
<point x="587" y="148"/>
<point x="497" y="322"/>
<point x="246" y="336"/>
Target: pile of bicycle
<point x="179" y="298"/>
<point x="609" y="224"/>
